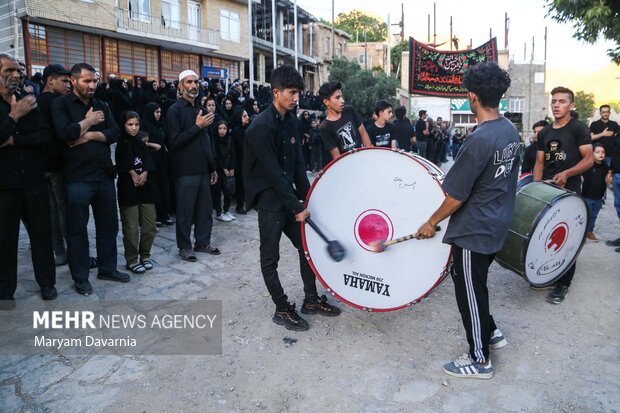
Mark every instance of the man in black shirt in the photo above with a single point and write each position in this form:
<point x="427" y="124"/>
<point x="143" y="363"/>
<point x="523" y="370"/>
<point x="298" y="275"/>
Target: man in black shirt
<point x="56" y="83"/>
<point x="564" y="153"/>
<point x="86" y="126"/>
<point x="422" y="133"/>
<point x="342" y="129"/>
<point x="529" y="155"/>
<point x="403" y="130"/>
<point x="23" y="194"/>
<point x="275" y="181"/>
<point x="193" y="168"/>
<point x="604" y="132"/>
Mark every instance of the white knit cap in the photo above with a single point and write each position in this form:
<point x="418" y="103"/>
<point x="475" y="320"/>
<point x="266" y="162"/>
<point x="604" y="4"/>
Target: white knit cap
<point x="186" y="73"/>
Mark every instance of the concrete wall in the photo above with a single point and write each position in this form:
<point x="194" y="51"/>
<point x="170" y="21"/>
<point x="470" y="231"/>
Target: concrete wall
<point x="11" y="37"/>
<point x="527" y="82"/>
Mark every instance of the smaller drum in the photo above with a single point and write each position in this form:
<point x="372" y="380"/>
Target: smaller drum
<point x="546" y="234"/>
<point x="524" y="179"/>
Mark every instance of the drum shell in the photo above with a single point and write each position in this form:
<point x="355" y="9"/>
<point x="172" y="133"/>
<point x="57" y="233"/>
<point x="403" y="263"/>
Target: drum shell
<point x="532" y="202"/>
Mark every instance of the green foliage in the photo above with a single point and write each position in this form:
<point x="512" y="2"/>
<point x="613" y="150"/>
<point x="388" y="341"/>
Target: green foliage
<point x="357" y="21"/>
<point x="584" y="105"/>
<point x="591" y="19"/>
<point x="363" y="88"/>
<point x="396" y="53"/>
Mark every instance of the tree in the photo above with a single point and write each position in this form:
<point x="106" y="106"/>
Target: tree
<point x="584" y="105"/>
<point x="358" y="22"/>
<point x="397" y="52"/>
<point x="591" y="19"/>
<point x="363" y="88"/>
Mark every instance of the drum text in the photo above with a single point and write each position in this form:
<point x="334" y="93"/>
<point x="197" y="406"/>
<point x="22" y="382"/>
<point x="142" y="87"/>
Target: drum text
<point x="367" y="283"/>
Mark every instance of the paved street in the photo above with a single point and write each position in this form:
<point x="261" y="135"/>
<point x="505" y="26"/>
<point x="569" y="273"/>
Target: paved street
<point x="559" y="358"/>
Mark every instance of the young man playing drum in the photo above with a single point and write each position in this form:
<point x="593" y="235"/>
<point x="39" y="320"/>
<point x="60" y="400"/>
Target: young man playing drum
<point x="564" y="153"/>
<point x="480" y="196"/>
<point x="275" y="182"/>
<point x="342" y="129"/>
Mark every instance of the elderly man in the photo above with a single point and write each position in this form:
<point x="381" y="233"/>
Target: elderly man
<point x="193" y="168"/>
<point x="23" y="191"/>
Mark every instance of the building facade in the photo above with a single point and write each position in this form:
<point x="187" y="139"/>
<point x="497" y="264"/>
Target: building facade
<point x="151" y="39"/>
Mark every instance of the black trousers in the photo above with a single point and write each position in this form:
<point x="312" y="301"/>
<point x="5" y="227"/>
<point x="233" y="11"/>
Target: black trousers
<point x="218" y="191"/>
<point x="32" y="206"/>
<point x="194" y="206"/>
<point x="271" y="226"/>
<point x="469" y="273"/>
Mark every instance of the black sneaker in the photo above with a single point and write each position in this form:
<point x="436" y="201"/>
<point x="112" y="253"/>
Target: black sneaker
<point x="613" y="243"/>
<point x="83" y="287"/>
<point x="290" y="319"/>
<point x="49" y="293"/>
<point x="121" y="277"/>
<point x="168" y="222"/>
<point x="92" y="262"/>
<point x="319" y="306"/>
<point x="241" y="211"/>
<point x="558" y="294"/>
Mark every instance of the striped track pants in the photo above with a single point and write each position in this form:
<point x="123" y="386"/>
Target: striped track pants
<point x="469" y="273"/>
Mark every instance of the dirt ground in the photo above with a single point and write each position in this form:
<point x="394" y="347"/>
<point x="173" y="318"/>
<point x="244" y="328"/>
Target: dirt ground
<point x="560" y="358"/>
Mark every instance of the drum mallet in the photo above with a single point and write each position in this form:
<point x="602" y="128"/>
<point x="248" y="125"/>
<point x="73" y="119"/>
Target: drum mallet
<point x="380" y="246"/>
<point x="334" y="248"/>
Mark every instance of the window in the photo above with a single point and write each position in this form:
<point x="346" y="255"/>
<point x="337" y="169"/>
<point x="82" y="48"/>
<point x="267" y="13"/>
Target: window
<point x="140" y="10"/>
<point x="170" y="13"/>
<point x="516" y="104"/>
<point x="230" y="26"/>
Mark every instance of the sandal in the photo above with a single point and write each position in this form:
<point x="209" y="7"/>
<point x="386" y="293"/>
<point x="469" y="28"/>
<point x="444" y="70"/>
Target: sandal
<point x="136" y="268"/>
<point x="147" y="264"/>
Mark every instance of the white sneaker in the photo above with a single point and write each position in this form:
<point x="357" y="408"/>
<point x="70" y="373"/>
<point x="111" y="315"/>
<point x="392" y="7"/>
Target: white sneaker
<point x="231" y="216"/>
<point x="497" y="340"/>
<point x="223" y="218"/>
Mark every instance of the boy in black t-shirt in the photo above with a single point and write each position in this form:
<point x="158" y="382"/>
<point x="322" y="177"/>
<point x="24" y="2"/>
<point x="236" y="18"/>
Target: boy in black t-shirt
<point x="381" y="131"/>
<point x="342" y="129"/>
<point x="564" y="153"/>
<point x="594" y="188"/>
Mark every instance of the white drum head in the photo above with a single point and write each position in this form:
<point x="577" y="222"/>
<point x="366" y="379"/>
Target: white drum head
<point x="556" y="240"/>
<point x="370" y="195"/>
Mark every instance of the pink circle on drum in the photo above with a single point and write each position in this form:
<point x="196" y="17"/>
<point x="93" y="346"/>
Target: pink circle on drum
<point x="372" y="225"/>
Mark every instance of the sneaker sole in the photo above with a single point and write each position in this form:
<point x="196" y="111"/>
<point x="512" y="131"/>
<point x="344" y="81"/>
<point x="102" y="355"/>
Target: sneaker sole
<point x="479" y="376"/>
<point x="280" y="322"/>
<point x="499" y="344"/>
<point x="543" y="288"/>
<point x="314" y="312"/>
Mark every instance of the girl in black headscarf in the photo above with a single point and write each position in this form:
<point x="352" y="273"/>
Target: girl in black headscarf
<point x="151" y="125"/>
<point x="238" y="138"/>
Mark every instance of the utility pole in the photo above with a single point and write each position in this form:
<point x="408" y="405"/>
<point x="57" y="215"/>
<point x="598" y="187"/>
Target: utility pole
<point x="389" y="47"/>
<point x="450" y="32"/>
<point x="506" y="21"/>
<point x="273" y="33"/>
<point x="365" y="51"/>
<point x="428" y="37"/>
<point x="251" y="50"/>
<point x="434" y="24"/>
<point x="333" y="37"/>
<point x="295" y="35"/>
<point x="402" y="22"/>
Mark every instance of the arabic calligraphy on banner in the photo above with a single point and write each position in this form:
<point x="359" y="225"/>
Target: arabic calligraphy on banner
<point x="439" y="73"/>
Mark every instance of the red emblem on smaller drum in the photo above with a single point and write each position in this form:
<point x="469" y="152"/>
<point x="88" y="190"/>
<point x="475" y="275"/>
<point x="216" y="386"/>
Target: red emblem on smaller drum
<point x="557" y="238"/>
<point x="372" y="225"/>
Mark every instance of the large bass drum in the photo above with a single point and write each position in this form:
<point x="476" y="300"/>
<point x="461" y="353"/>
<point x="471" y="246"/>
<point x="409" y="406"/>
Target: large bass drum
<point x="546" y="234"/>
<point x="376" y="194"/>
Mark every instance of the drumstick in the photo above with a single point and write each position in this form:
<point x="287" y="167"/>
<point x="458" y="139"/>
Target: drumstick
<point x="380" y="246"/>
<point x="334" y="248"/>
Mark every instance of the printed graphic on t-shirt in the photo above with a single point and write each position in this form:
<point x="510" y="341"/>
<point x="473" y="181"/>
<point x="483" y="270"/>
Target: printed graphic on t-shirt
<point x="137" y="163"/>
<point x="555" y="152"/>
<point x="506" y="159"/>
<point x="346" y="136"/>
<point x="383" y="139"/>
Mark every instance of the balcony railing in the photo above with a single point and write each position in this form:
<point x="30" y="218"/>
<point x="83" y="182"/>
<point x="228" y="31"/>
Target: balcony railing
<point x="166" y="29"/>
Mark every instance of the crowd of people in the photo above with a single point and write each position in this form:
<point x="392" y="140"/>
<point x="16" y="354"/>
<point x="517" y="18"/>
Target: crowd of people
<point x="188" y="149"/>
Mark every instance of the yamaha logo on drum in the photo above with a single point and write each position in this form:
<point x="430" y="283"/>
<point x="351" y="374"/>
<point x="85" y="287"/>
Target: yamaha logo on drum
<point x="550" y="266"/>
<point x="367" y="283"/>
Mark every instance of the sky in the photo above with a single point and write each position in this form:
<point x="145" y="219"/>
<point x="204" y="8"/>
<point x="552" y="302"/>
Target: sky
<point x="472" y="19"/>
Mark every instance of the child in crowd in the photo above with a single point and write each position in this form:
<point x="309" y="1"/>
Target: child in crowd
<point x="594" y="188"/>
<point x="316" y="146"/>
<point x="137" y="194"/>
<point x="224" y="156"/>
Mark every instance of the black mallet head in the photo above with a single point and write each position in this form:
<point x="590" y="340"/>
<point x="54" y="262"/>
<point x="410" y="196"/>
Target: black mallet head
<point x="336" y="251"/>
